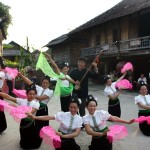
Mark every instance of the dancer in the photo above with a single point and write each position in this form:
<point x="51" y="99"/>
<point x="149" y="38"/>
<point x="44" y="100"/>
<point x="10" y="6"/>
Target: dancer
<point x="70" y="124"/>
<point x="3" y="123"/>
<point x="95" y="125"/>
<point x="29" y="132"/>
<point x="143" y="103"/>
<point x="65" y="83"/>
<point x="44" y="95"/>
<point x="77" y="75"/>
<point x="111" y="92"/>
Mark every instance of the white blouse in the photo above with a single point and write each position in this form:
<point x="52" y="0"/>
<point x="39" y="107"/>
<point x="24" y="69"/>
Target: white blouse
<point x="64" y="118"/>
<point x="64" y="83"/>
<point x="140" y="99"/>
<point x="110" y="90"/>
<point x="47" y="92"/>
<point x="101" y="117"/>
<point x="2" y="78"/>
<point x="24" y="102"/>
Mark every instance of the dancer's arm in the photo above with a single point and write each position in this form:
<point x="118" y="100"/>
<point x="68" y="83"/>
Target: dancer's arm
<point x="25" y="79"/>
<point x="122" y="77"/>
<point x="43" y="118"/>
<point x="117" y="119"/>
<point x="6" y="96"/>
<point x="56" y="69"/>
<point x="113" y="97"/>
<point x="143" y="106"/>
<point x="71" y="135"/>
<point x="90" y="131"/>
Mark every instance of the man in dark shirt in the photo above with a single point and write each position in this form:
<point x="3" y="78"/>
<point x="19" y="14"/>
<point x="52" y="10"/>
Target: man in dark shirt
<point x="77" y="75"/>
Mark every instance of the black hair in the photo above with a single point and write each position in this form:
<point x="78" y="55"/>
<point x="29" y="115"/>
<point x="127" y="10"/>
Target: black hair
<point x="32" y="87"/>
<point x="46" y="78"/>
<point x="74" y="99"/>
<point x="63" y="64"/>
<point x="1" y="62"/>
<point x="89" y="99"/>
<point x="142" y="83"/>
<point x="106" y="78"/>
<point x="83" y="59"/>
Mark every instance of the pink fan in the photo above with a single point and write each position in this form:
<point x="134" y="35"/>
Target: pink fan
<point x="18" y="113"/>
<point x="116" y="133"/>
<point x="2" y="105"/>
<point x="142" y="119"/>
<point x="126" y="67"/>
<point x="50" y="137"/>
<point x="148" y="120"/>
<point x="124" y="84"/>
<point x="20" y="93"/>
<point x="13" y="72"/>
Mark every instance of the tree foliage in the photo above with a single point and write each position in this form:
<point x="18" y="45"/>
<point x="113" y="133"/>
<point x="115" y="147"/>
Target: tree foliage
<point x="5" y="16"/>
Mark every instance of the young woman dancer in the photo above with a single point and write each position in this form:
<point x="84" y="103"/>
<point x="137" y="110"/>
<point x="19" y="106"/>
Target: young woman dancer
<point x="95" y="125"/>
<point x="29" y="132"/>
<point x="65" y="83"/>
<point x="44" y="95"/>
<point x="111" y="91"/>
<point x="143" y="103"/>
<point x="70" y="124"/>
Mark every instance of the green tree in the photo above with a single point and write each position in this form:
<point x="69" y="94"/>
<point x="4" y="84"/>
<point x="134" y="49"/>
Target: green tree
<point x="5" y="17"/>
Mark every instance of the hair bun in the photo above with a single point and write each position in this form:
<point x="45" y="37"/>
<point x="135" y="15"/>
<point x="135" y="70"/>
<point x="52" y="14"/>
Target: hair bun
<point x="75" y="98"/>
<point x="90" y="97"/>
<point x="32" y="86"/>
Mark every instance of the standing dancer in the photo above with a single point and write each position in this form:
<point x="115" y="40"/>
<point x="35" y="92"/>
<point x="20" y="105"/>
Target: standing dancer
<point x="44" y="95"/>
<point x="65" y="83"/>
<point x="70" y="124"/>
<point x="3" y="123"/>
<point x="143" y="103"/>
<point x="95" y="125"/>
<point x="81" y="79"/>
<point x="111" y="92"/>
<point x="29" y="134"/>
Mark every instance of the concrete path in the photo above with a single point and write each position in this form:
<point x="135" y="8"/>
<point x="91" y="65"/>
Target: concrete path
<point x="135" y="139"/>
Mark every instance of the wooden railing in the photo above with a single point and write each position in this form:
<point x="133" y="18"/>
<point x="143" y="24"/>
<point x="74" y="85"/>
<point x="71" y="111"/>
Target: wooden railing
<point x="127" y="46"/>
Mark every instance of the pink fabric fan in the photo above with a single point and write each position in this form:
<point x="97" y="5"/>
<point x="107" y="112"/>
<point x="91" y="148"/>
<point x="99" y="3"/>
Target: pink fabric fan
<point x="20" y="93"/>
<point x="2" y="105"/>
<point x="50" y="137"/>
<point x="148" y="120"/>
<point x="13" y="72"/>
<point x="126" y="67"/>
<point x="142" y="119"/>
<point x="116" y="133"/>
<point x="124" y="84"/>
<point x="18" y="113"/>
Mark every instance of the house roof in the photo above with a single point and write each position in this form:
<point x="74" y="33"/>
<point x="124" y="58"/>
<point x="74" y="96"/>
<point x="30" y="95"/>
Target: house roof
<point x="14" y="50"/>
<point x="58" y="40"/>
<point x="125" y="7"/>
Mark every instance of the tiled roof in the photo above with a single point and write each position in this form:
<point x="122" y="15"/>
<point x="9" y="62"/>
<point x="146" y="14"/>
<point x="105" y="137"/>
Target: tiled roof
<point x="125" y="7"/>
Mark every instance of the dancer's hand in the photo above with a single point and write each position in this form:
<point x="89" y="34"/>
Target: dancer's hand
<point x="59" y="133"/>
<point x="105" y="132"/>
<point x="94" y="64"/>
<point x="30" y="115"/>
<point x="131" y="121"/>
<point x="77" y="82"/>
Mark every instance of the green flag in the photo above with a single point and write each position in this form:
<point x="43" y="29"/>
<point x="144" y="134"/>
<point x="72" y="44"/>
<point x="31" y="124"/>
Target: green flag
<point x="47" y="70"/>
<point x="45" y="67"/>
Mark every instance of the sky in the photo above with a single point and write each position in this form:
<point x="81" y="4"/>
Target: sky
<point x="44" y="20"/>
